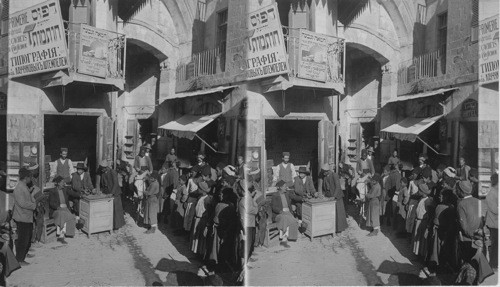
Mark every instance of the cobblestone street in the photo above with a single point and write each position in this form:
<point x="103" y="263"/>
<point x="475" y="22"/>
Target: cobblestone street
<point x="350" y="259"/>
<point x="128" y="257"/>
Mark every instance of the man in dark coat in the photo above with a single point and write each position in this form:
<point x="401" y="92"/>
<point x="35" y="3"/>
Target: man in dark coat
<point x="304" y="188"/>
<point x="80" y="183"/>
<point x="169" y="183"/>
<point x="331" y="188"/>
<point x="109" y="185"/>
<point x="392" y="184"/>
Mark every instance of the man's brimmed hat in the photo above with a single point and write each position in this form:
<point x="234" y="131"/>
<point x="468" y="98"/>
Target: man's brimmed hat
<point x="325" y="167"/>
<point x="304" y="170"/>
<point x="203" y="186"/>
<point x="81" y="165"/>
<point x="280" y="183"/>
<point x="465" y="186"/>
<point x="285" y="153"/>
<point x="32" y="166"/>
<point x="104" y="163"/>
<point x="424" y="188"/>
<point x="450" y="171"/>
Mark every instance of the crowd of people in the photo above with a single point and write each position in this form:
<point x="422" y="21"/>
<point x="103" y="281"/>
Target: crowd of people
<point x="203" y="203"/>
<point x="32" y="206"/>
<point x="438" y="208"/>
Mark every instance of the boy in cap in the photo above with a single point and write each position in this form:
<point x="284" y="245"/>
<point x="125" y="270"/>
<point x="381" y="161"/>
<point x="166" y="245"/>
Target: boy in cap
<point x="286" y="170"/>
<point x="80" y="184"/>
<point x="63" y="167"/>
<point x="303" y="188"/>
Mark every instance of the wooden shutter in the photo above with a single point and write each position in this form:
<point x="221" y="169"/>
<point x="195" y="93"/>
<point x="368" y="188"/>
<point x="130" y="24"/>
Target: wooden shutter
<point x="326" y="142"/>
<point x="106" y="139"/>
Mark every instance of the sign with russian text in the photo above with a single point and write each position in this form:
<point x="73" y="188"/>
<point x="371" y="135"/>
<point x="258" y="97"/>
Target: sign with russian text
<point x="469" y="109"/>
<point x="265" y="47"/>
<point x="488" y="50"/>
<point x="93" y="51"/>
<point x="37" y="41"/>
<point x="313" y="56"/>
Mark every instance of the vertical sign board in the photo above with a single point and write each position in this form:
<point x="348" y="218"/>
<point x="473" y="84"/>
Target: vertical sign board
<point x="265" y="44"/>
<point x="37" y="41"/>
<point x="313" y="56"/>
<point x="93" y="51"/>
<point x="488" y="50"/>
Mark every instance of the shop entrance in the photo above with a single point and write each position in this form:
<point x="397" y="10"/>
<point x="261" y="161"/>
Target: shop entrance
<point x="77" y="133"/>
<point x="468" y="146"/>
<point x="299" y="137"/>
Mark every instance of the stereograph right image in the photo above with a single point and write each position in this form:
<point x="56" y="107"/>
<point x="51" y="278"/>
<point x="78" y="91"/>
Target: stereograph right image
<point x="249" y="142"/>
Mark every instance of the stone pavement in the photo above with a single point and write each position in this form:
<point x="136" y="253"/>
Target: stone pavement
<point x="126" y="258"/>
<point x="349" y="259"/>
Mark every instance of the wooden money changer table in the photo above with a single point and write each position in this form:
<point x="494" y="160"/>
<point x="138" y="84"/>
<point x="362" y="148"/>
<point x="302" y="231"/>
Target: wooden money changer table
<point x="319" y="214"/>
<point x="97" y="212"/>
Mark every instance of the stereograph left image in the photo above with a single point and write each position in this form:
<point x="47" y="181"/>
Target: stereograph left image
<point x="249" y="142"/>
<point x="119" y="161"/>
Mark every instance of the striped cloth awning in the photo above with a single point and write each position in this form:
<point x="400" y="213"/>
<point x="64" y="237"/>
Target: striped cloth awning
<point x="409" y="128"/>
<point x="187" y="126"/>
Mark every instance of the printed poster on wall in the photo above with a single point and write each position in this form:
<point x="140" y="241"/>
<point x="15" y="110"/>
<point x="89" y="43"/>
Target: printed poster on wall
<point x="488" y="50"/>
<point x="265" y="47"/>
<point x="313" y="55"/>
<point x="93" y="51"/>
<point x="37" y="41"/>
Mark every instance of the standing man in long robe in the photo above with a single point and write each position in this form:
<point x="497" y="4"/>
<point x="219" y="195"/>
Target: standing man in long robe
<point x="151" y="206"/>
<point x="109" y="185"/>
<point x="331" y="188"/>
<point x="63" y="167"/>
<point x="286" y="170"/>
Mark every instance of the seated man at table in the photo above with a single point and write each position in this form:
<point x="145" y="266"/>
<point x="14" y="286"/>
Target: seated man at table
<point x="281" y="207"/>
<point x="63" y="218"/>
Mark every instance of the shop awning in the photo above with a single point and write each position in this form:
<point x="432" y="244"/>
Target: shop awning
<point x="420" y="95"/>
<point x="409" y="128"/>
<point x="199" y="92"/>
<point x="188" y="125"/>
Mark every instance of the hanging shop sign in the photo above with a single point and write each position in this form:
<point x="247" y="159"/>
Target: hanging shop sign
<point x="488" y="50"/>
<point x="469" y="109"/>
<point x="37" y="40"/>
<point x="265" y="44"/>
<point x="312" y="56"/>
<point x="320" y="57"/>
<point x="3" y="102"/>
<point x="97" y="51"/>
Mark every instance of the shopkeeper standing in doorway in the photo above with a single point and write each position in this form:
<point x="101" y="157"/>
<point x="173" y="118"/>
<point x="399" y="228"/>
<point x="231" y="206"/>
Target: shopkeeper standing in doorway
<point x="63" y="167"/>
<point x="286" y="170"/>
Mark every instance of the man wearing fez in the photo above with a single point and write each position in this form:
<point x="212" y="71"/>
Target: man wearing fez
<point x="304" y="188"/>
<point x="282" y="215"/>
<point x="109" y="185"/>
<point x="64" y="167"/>
<point x="286" y="170"/>
<point x="80" y="184"/>
<point x="332" y="188"/>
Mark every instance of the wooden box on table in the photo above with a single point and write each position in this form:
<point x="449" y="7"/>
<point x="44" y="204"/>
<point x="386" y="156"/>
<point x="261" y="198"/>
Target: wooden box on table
<point x="319" y="217"/>
<point x="97" y="213"/>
